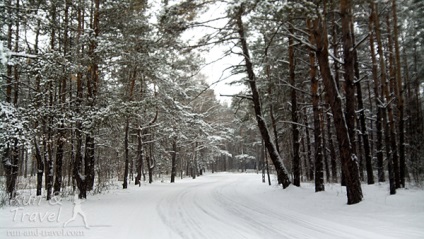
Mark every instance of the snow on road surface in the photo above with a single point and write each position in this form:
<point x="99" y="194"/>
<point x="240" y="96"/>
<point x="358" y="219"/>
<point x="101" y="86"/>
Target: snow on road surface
<point x="223" y="205"/>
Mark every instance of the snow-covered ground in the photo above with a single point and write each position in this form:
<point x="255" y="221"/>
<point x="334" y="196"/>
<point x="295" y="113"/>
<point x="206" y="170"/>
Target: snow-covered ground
<point x="223" y="205"/>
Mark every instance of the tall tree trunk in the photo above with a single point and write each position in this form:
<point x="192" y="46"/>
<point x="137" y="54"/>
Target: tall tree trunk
<point x="384" y="93"/>
<point x="393" y="91"/>
<point x="140" y="157"/>
<point x="195" y="165"/>
<point x="10" y="158"/>
<point x="61" y="132"/>
<point x="38" y="157"/>
<point x="282" y="174"/>
<point x="49" y="167"/>
<point x="40" y="168"/>
<point x="92" y="88"/>
<point x="79" y="178"/>
<point x="310" y="161"/>
<point x="324" y="147"/>
<point x="59" y="163"/>
<point x="174" y="160"/>
<point x="48" y="163"/>
<point x="364" y="133"/>
<point x="318" y="162"/>
<point x="378" y="122"/>
<point x="16" y="66"/>
<point x="349" y="76"/>
<point x="14" y="151"/>
<point x="77" y="170"/>
<point x="262" y="150"/>
<point x="402" y="163"/>
<point x="332" y="150"/>
<point x="9" y="67"/>
<point x="333" y="97"/>
<point x="294" y="113"/>
<point x="89" y="161"/>
<point x="25" y="163"/>
<point x="150" y="168"/>
<point x="362" y="119"/>
<point x="127" y="125"/>
<point x="48" y="121"/>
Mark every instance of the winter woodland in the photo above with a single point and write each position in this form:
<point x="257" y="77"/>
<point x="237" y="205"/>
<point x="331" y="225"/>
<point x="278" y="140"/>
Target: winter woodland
<point x="99" y="93"/>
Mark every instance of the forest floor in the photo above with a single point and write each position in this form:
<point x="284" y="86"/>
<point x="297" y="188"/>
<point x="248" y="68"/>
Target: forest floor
<point x="220" y="205"/>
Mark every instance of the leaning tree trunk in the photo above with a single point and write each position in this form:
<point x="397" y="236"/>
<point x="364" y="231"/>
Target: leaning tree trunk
<point x="333" y="97"/>
<point x="282" y="174"/>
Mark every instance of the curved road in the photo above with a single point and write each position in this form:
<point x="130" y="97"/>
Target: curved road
<point x="222" y="205"/>
<point x="226" y="205"/>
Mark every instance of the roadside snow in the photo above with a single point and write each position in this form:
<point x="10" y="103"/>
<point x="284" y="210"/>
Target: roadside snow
<point x="223" y="205"/>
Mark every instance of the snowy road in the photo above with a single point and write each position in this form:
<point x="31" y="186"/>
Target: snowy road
<point x="232" y="206"/>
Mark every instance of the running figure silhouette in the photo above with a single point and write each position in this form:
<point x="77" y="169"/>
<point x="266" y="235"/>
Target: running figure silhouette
<point x="77" y="210"/>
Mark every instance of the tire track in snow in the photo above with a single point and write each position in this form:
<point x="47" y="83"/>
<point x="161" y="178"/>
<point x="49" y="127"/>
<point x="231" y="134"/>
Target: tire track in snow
<point x="186" y="213"/>
<point x="300" y="226"/>
<point x="253" y="218"/>
<point x="223" y="207"/>
<point x="172" y="213"/>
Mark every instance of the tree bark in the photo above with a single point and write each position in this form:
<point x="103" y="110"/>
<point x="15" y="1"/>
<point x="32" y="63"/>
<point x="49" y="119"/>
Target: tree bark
<point x="174" y="160"/>
<point x="140" y="157"/>
<point x="333" y="97"/>
<point x="349" y="76"/>
<point x="309" y="160"/>
<point x="62" y="89"/>
<point x="332" y="150"/>
<point x="362" y="119"/>
<point x="384" y="93"/>
<point x="282" y="174"/>
<point x="392" y="91"/>
<point x="318" y="160"/>
<point x="92" y="88"/>
<point x="125" y="183"/>
<point x="59" y="163"/>
<point x="402" y="160"/>
<point x="40" y="168"/>
<point x="378" y="123"/>
<point x="294" y="114"/>
<point x="150" y="168"/>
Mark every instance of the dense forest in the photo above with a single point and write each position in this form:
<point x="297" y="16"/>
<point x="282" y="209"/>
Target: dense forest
<point x="94" y="91"/>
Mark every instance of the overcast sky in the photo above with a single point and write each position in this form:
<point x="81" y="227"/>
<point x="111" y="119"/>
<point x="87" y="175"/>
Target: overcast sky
<point x="216" y="70"/>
